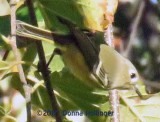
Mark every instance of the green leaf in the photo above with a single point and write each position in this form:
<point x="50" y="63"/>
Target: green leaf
<point x="2" y="111"/>
<point x="6" y="68"/>
<point x="85" y="13"/>
<point x="23" y="15"/>
<point x="5" y="25"/>
<point x="77" y="92"/>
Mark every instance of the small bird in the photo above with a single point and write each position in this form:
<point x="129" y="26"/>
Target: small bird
<point x="98" y="66"/>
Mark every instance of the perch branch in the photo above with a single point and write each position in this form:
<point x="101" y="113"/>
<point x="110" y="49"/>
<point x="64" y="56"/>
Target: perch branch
<point x="45" y="71"/>
<point x="113" y="94"/>
<point x="18" y="59"/>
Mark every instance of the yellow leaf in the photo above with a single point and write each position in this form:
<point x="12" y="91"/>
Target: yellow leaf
<point x="98" y="14"/>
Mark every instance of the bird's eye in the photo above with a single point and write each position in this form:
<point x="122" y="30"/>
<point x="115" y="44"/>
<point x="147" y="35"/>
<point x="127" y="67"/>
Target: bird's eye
<point x="132" y="75"/>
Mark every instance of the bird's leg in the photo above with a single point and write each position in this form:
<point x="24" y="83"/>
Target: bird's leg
<point x="56" y="51"/>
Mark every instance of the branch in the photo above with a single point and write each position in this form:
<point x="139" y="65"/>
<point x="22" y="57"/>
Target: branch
<point x="45" y="71"/>
<point x="113" y="94"/>
<point x="18" y="59"/>
<point x="5" y="55"/>
<point x="134" y="29"/>
<point x="108" y="35"/>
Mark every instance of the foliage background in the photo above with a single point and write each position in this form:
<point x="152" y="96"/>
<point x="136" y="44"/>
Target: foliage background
<point x="71" y="93"/>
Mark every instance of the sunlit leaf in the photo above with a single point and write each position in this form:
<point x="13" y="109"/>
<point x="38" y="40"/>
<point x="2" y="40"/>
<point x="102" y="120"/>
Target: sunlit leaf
<point x="4" y="8"/>
<point x="5" y="42"/>
<point x="95" y="15"/>
<point x="145" y="110"/>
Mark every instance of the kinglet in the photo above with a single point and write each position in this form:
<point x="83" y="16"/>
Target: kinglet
<point x="98" y="66"/>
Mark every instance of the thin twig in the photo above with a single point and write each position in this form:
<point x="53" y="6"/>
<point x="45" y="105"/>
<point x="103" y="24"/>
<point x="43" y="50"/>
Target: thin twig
<point x="134" y="29"/>
<point x="108" y="35"/>
<point x="18" y="59"/>
<point x="6" y="53"/>
<point x="114" y="100"/>
<point x="113" y="94"/>
<point x="45" y="71"/>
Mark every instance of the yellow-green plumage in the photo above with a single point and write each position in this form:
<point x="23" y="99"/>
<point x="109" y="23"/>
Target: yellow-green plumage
<point x="118" y="68"/>
<point x="113" y="70"/>
<point x="75" y="61"/>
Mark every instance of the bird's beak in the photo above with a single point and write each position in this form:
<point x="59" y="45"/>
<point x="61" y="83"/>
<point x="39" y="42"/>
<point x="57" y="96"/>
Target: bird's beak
<point x="138" y="92"/>
<point x="143" y="97"/>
